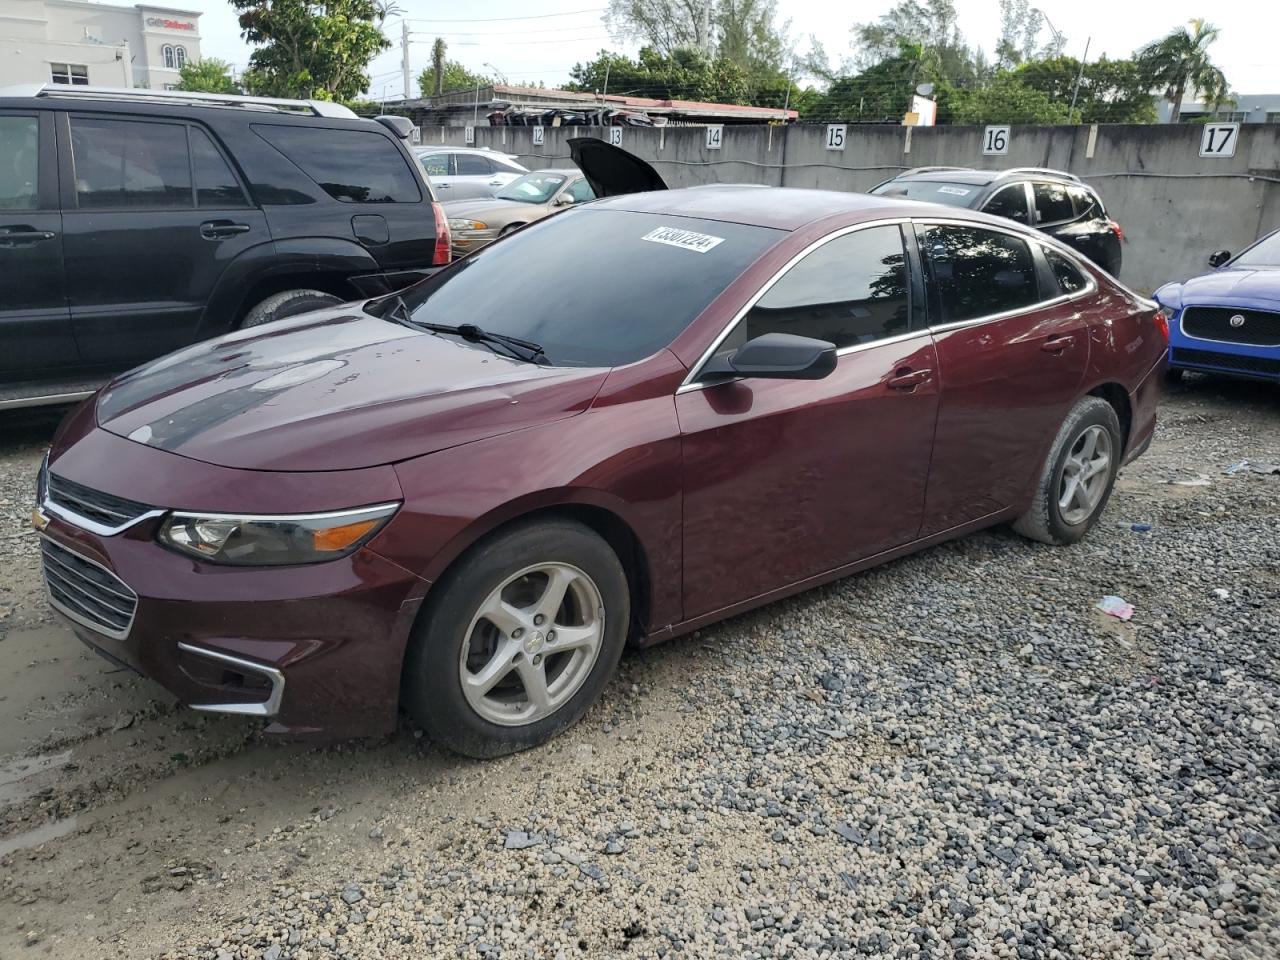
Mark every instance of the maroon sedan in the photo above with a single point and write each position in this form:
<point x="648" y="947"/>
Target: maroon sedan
<point x="624" y="422"/>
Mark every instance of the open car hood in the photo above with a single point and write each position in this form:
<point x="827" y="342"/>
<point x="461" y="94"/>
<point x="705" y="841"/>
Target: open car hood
<point x="612" y="171"/>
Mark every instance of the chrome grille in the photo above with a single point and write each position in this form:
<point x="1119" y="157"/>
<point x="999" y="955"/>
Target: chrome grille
<point x="104" y="509"/>
<point x="86" y="592"/>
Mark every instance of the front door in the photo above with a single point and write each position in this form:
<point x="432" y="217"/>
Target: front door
<point x="1011" y="355"/>
<point x="785" y="480"/>
<point x="145" y="243"/>
<point x="34" y="323"/>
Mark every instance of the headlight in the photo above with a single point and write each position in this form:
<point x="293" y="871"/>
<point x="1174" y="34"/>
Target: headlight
<point x="259" y="540"/>
<point x="462" y="224"/>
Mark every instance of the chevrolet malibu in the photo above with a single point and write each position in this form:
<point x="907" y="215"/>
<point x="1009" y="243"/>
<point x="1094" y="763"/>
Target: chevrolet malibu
<point x="466" y="499"/>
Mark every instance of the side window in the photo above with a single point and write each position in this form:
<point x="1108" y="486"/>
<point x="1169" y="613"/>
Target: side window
<point x="580" y="191"/>
<point x="350" y="165"/>
<point x="473" y="165"/>
<point x="851" y="290"/>
<point x="216" y="185"/>
<point x="435" y="164"/>
<point x="1086" y="202"/>
<point x="1070" y="279"/>
<point x="128" y="163"/>
<point x="975" y="272"/>
<point x="1010" y="202"/>
<point x="19" y="162"/>
<point x="1053" y="203"/>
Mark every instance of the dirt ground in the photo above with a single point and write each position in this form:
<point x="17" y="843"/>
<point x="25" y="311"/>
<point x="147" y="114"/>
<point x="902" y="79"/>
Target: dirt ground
<point x="127" y="822"/>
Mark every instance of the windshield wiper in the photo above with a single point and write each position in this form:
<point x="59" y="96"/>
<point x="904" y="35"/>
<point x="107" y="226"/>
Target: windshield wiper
<point x="527" y="350"/>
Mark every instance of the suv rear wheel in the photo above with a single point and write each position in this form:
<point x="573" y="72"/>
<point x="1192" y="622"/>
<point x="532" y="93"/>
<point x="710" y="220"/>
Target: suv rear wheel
<point x="287" y="303"/>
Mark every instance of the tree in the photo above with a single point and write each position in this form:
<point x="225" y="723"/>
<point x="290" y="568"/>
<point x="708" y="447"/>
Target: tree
<point x="1111" y="91"/>
<point x="209" y="75"/>
<point x="664" y="25"/>
<point x="880" y="93"/>
<point x="453" y="77"/>
<point x="1020" y="26"/>
<point x="1180" y="61"/>
<point x="311" y="48"/>
<point x="685" y="74"/>
<point x="1002" y="100"/>
<point x="929" y="24"/>
<point x="437" y="68"/>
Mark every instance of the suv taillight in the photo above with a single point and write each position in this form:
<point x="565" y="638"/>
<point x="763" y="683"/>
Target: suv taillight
<point x="441" y="253"/>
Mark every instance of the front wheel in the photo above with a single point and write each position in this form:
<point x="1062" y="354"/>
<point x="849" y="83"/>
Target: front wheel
<point x="287" y="303"/>
<point x="1078" y="475"/>
<point x="518" y="639"/>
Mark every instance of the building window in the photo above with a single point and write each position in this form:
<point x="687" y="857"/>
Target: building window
<point x="70" y="73"/>
<point x="1273" y="116"/>
<point x="181" y="55"/>
<point x="167" y="52"/>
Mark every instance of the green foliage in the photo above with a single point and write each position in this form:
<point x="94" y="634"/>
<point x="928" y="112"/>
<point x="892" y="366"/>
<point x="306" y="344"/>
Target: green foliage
<point x="453" y="77"/>
<point x="683" y="75"/>
<point x="209" y="75"/>
<point x="311" y="48"/>
<point x="1003" y="99"/>
<point x="1020" y="26"/>
<point x="882" y="92"/>
<point x="930" y="25"/>
<point x="1111" y="91"/>
<point x="1180" y="61"/>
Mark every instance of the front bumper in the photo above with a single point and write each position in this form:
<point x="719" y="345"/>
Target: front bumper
<point x="1198" y="353"/>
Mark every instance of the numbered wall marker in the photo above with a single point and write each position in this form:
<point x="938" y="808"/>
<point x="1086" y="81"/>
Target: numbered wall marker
<point x="538" y="135"/>
<point x="715" y="135"/>
<point x="1219" y="139"/>
<point x="468" y="134"/>
<point x="835" y="136"/>
<point x="615" y="136"/>
<point x="995" y="142"/>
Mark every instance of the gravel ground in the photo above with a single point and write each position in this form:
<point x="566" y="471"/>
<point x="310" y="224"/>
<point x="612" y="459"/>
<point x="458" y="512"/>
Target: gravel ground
<point x="954" y="755"/>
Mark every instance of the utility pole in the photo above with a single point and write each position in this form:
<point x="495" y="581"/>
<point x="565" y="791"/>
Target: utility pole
<point x="1079" y="76"/>
<point x="404" y="55"/>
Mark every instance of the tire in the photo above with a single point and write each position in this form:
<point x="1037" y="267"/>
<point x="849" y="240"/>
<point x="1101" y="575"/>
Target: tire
<point x="509" y="228"/>
<point x="287" y="303"/>
<point x="454" y="635"/>
<point x="1048" y="520"/>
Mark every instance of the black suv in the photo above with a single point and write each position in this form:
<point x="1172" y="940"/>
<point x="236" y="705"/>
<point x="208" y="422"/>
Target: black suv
<point x="1057" y="203"/>
<point x="135" y="222"/>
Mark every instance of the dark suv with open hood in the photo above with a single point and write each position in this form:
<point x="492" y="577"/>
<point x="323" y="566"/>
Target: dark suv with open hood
<point x="1059" y="204"/>
<point x="135" y="222"/>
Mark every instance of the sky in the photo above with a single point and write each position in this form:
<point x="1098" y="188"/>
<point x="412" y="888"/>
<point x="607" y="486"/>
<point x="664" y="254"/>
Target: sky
<point x="540" y="40"/>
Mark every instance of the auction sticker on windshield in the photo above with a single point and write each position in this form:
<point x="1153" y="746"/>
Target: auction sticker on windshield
<point x="686" y="239"/>
<point x="955" y="191"/>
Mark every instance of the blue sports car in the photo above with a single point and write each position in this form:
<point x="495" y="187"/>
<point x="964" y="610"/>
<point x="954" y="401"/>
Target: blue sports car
<point x="1228" y="321"/>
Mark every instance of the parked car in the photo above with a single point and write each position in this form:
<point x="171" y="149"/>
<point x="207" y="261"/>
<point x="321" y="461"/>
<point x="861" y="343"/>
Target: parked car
<point x="1060" y="204"/>
<point x="465" y="173"/>
<point x="466" y="498"/>
<point x="1228" y="321"/>
<point x="474" y="223"/>
<point x="134" y="222"/>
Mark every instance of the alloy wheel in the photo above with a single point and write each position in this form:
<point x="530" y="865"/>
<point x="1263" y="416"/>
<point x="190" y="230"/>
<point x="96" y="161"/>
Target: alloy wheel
<point x="1085" y="475"/>
<point x="532" y="644"/>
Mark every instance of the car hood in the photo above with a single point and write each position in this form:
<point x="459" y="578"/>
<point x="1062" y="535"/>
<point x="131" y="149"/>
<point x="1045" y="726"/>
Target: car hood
<point x="492" y="211"/>
<point x="334" y="390"/>
<point x="1228" y="287"/>
<point x="612" y="171"/>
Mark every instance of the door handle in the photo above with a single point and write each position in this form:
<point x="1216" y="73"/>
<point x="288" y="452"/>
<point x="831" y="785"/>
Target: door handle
<point x="1057" y="344"/>
<point x="222" y="229"/>
<point x="23" y="236"/>
<point x="495" y="183"/>
<point x="907" y="379"/>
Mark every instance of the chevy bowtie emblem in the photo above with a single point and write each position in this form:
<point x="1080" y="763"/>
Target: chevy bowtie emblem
<point x="1237" y="320"/>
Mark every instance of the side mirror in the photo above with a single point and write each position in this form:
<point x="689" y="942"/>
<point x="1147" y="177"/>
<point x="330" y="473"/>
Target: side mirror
<point x="564" y="200"/>
<point x="1219" y="257"/>
<point x="775" y="356"/>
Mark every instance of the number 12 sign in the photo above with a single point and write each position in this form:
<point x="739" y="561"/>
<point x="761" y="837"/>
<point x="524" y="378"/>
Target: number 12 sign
<point x="995" y="142"/>
<point x="1219" y="139"/>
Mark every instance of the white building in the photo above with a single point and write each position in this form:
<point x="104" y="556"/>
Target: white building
<point x="78" y="42"/>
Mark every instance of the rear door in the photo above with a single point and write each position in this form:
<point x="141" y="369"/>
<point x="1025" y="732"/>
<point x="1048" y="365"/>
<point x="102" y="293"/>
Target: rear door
<point x="811" y="475"/>
<point x="1010" y="202"/>
<point x="1067" y="212"/>
<point x="35" y="325"/>
<point x="153" y="213"/>
<point x="476" y="177"/>
<point x="1012" y="353"/>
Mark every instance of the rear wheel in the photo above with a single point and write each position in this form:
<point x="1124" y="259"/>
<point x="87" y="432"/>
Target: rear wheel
<point x="518" y="639"/>
<point x="1078" y="475"/>
<point x="287" y="303"/>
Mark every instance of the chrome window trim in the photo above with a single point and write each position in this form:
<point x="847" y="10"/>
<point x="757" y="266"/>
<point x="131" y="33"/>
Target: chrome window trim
<point x="267" y="708"/>
<point x="95" y="626"/>
<point x="691" y="381"/>
<point x="355" y="513"/>
<point x="1229" y="343"/>
<point x="1006" y="314"/>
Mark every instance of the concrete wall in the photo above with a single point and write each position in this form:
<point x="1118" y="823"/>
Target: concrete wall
<point x="1175" y="206"/>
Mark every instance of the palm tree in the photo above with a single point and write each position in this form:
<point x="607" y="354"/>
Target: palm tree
<point x="1180" y="61"/>
<point x="437" y="64"/>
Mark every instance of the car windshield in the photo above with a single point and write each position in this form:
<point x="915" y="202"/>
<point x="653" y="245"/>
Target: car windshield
<point x="931" y="191"/>
<point x="595" y="288"/>
<point x="532" y="188"/>
<point x="1264" y="253"/>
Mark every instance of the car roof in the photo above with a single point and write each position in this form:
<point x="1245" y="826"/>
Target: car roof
<point x="782" y="208"/>
<point x="984" y="177"/>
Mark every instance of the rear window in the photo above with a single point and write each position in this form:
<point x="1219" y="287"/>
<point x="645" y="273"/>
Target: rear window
<point x="352" y="166"/>
<point x="931" y="191"/>
<point x="1053" y="203"/>
<point x="1086" y="202"/>
<point x="660" y="271"/>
